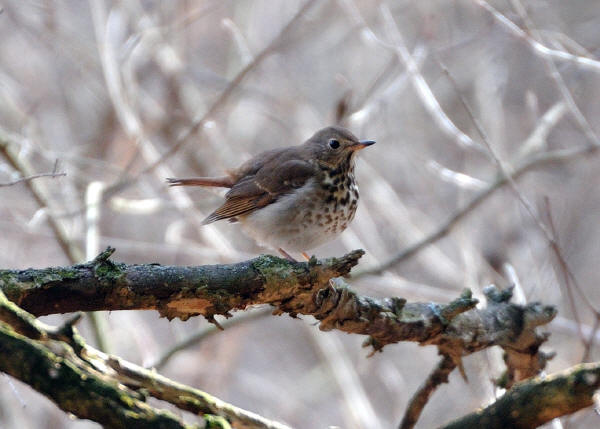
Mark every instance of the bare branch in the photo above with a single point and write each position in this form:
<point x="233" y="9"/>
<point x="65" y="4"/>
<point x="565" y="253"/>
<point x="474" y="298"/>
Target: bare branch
<point x="422" y="88"/>
<point x="415" y="407"/>
<point x="203" y="334"/>
<point x="71" y="250"/>
<point x="219" y="103"/>
<point x="32" y="177"/>
<point x="558" y="79"/>
<point x="184" y="397"/>
<point x="310" y="288"/>
<point x="507" y="177"/>
<point x="531" y="163"/>
<point x="172" y="290"/>
<point x="539" y="48"/>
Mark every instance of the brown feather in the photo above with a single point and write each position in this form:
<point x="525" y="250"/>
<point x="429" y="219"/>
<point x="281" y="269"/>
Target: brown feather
<point x="221" y="182"/>
<point x="264" y="188"/>
<point x="232" y="207"/>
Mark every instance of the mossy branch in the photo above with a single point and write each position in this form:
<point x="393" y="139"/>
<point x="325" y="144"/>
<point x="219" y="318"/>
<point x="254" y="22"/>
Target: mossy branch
<point x="92" y="385"/>
<point x="536" y="401"/>
<point x="174" y="291"/>
<point x="310" y="288"/>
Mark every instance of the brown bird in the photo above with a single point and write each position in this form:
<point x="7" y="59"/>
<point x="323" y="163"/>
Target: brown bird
<point x="293" y="198"/>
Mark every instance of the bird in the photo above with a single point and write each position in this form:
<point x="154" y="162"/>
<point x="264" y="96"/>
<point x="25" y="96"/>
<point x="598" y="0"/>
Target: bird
<point x="292" y="198"/>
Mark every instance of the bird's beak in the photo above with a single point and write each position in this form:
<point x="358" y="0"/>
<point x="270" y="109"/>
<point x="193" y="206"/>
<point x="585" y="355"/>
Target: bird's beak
<point x="362" y="144"/>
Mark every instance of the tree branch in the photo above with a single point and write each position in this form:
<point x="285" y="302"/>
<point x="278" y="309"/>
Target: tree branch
<point x="438" y="376"/>
<point x="180" y="395"/>
<point x="532" y="162"/>
<point x="71" y="250"/>
<point x="203" y="334"/>
<point x="93" y="385"/>
<point x="32" y="177"/>
<point x="61" y="377"/>
<point x="534" y="402"/>
<point x="309" y="288"/>
<point x="174" y="291"/>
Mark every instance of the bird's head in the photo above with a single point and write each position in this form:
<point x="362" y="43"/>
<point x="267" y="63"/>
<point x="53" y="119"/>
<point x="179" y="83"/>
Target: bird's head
<point x="335" y="146"/>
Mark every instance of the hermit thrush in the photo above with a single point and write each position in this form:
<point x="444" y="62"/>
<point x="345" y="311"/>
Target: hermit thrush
<point x="293" y="198"/>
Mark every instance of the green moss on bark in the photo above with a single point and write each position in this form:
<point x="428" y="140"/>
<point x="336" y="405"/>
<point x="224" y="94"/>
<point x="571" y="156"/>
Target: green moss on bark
<point x="75" y="390"/>
<point x="216" y="422"/>
<point x="108" y="272"/>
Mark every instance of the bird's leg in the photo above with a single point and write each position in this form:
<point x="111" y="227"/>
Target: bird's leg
<point x="286" y="255"/>
<point x="306" y="256"/>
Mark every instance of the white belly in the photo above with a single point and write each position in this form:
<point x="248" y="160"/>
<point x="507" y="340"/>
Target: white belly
<point x="296" y="222"/>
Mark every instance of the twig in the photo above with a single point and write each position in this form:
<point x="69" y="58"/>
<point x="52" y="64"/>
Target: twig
<point x="588" y="63"/>
<point x="93" y="195"/>
<point x="428" y="99"/>
<point x="558" y="79"/>
<point x="342" y="370"/>
<point x="538" y="138"/>
<point x="71" y="250"/>
<point x="503" y="169"/>
<point x="32" y="177"/>
<point x="218" y="104"/>
<point x="548" y="233"/>
<point x="182" y="396"/>
<point x="416" y="404"/>
<point x="569" y="282"/>
<point x="134" y="128"/>
<point x="589" y="343"/>
<point x="532" y="162"/>
<point x="419" y="83"/>
<point x="422" y="88"/>
<point x="203" y="334"/>
<point x="462" y="180"/>
<point x="73" y="253"/>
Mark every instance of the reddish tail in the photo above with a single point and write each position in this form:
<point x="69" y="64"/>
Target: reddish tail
<point x="221" y="182"/>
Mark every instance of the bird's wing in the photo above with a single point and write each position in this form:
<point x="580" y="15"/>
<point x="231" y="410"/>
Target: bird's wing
<point x="269" y="183"/>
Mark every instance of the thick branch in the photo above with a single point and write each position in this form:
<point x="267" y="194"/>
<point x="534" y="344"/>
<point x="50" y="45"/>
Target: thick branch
<point x="312" y="288"/>
<point x="91" y="384"/>
<point x="308" y="288"/>
<point x="53" y="370"/>
<point x="536" y="401"/>
<point x="174" y="291"/>
<point x="454" y="329"/>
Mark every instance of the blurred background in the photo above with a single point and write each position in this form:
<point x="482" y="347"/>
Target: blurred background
<point x="119" y="95"/>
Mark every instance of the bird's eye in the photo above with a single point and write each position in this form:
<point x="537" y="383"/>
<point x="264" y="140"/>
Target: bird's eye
<point x="334" y="144"/>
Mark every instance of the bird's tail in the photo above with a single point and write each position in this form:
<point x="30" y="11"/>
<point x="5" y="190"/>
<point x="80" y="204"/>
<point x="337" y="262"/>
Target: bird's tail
<point x="221" y="182"/>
